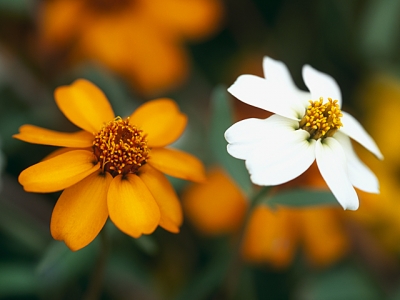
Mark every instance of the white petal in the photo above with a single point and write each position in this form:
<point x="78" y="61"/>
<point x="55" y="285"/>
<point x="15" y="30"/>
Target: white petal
<point x="277" y="72"/>
<point x="354" y="129"/>
<point x="304" y="98"/>
<point x="281" y="160"/>
<point x="246" y="135"/>
<point x="359" y="174"/>
<point x="259" y="92"/>
<point x="331" y="161"/>
<point x="321" y="85"/>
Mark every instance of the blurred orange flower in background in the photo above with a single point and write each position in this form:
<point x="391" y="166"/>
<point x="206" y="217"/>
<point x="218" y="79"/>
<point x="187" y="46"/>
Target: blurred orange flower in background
<point x="218" y="207"/>
<point x="112" y="167"/>
<point x="380" y="213"/>
<point x="273" y="236"/>
<point x="139" y="39"/>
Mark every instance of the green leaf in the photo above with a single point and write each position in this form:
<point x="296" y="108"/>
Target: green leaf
<point x="301" y="198"/>
<point x="22" y="226"/>
<point x="59" y="265"/>
<point x="147" y="244"/>
<point x="17" y="279"/>
<point x="20" y="7"/>
<point x="128" y="276"/>
<point x="210" y="278"/>
<point x="246" y="288"/>
<point x="341" y="282"/>
<point x="221" y="120"/>
<point x="380" y="28"/>
<point x="396" y="293"/>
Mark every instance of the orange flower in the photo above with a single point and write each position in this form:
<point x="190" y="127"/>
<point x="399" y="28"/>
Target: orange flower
<point x="132" y="37"/>
<point x="273" y="236"/>
<point x="113" y="167"/>
<point x="217" y="206"/>
<point x="379" y="213"/>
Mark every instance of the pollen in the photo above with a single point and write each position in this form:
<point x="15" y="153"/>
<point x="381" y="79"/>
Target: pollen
<point x="120" y="147"/>
<point x="322" y="120"/>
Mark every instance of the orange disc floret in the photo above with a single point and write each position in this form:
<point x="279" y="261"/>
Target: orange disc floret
<point x="120" y="147"/>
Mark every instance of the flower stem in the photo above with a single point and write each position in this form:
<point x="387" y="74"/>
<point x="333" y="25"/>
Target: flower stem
<point x="94" y="289"/>
<point x="255" y="200"/>
<point x="234" y="272"/>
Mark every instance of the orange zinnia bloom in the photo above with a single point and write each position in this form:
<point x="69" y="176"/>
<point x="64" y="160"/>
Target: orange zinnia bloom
<point x="218" y="206"/>
<point x="273" y="236"/>
<point x="113" y="167"/>
<point x="380" y="213"/>
<point x="131" y="37"/>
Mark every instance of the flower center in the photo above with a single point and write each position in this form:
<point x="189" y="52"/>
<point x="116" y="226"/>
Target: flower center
<point x="120" y="147"/>
<point x="322" y="120"/>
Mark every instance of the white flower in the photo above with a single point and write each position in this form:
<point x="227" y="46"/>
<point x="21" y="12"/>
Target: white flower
<point x="306" y="126"/>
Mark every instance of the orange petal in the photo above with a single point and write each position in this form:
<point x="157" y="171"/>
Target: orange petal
<point x="216" y="206"/>
<point x="165" y="196"/>
<point x="160" y="120"/>
<point x="61" y="151"/>
<point x="58" y="22"/>
<point x="59" y="172"/>
<point x="177" y="164"/>
<point x="81" y="211"/>
<point x="131" y="206"/>
<point x="325" y="241"/>
<point x="37" y="135"/>
<point x="84" y="104"/>
<point x="195" y="18"/>
<point x="269" y="237"/>
<point x="108" y="40"/>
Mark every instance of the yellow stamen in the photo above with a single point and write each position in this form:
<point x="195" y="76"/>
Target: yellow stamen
<point x="120" y="147"/>
<point x="322" y="120"/>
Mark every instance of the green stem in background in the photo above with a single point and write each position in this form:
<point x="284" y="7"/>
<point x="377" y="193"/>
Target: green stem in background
<point x="255" y="200"/>
<point x="95" y="287"/>
<point x="223" y="273"/>
<point x="235" y="268"/>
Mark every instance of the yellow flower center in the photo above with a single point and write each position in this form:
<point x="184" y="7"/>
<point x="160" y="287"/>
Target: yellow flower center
<point x="120" y="147"/>
<point x="322" y="120"/>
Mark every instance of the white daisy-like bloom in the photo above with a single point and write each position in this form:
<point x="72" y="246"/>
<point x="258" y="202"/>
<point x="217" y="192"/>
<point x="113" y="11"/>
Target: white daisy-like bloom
<point x="305" y="126"/>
